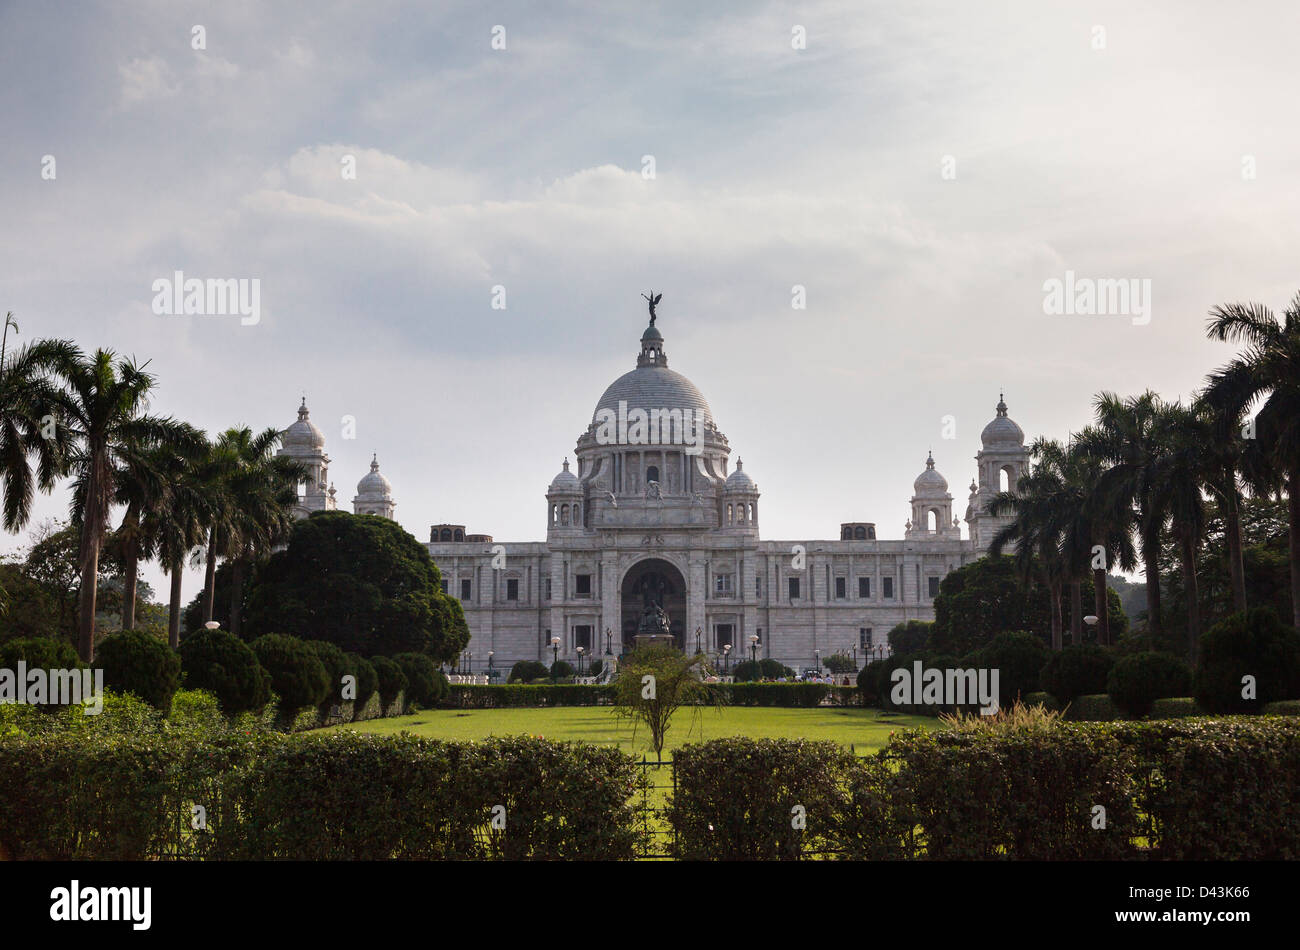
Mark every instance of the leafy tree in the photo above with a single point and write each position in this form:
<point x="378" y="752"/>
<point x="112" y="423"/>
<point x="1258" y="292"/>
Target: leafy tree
<point x="362" y="583"/>
<point x="841" y="663"/>
<point x="29" y="610"/>
<point x="653" y="683"/>
<point x="1266" y="370"/>
<point x="910" y="636"/>
<point x="224" y="665"/>
<point x="337" y="665"/>
<point x="425" y="683"/>
<point x="1019" y="657"/>
<point x="135" y="662"/>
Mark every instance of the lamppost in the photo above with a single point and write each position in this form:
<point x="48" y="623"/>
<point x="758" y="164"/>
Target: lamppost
<point x="817" y="660"/>
<point x="609" y="642"/>
<point x="212" y="625"/>
<point x="1091" y="621"/>
<point x="855" y="658"/>
<point x="726" y="658"/>
<point x="753" y="650"/>
<point x="581" y="651"/>
<point x="697" y="641"/>
<point x="555" y="650"/>
<point x="469" y="663"/>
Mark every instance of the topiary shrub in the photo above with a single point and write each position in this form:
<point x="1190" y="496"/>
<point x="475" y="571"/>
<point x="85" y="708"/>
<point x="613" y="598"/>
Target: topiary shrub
<point x="297" y="676"/>
<point x="1076" y="671"/>
<point x="1139" y="679"/>
<point x="44" y="653"/>
<point x="135" y="662"/>
<point x="1041" y="698"/>
<point x="1018" y="657"/>
<point x="224" y="665"/>
<point x="367" y="682"/>
<point x="1255" y="643"/>
<point x="392" y="681"/>
<point x="562" y="671"/>
<point x="525" y="671"/>
<point x="869" y="680"/>
<point x="337" y="665"/>
<point x="1098" y="707"/>
<point x="597" y="667"/>
<point x="1175" y="707"/>
<point x="425" y="685"/>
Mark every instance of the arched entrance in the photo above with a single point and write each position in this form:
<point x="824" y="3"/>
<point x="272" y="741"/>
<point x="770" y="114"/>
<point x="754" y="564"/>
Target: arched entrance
<point x="658" y="580"/>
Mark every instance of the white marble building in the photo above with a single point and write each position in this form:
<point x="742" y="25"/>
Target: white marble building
<point x="658" y="507"/>
<point x="305" y="442"/>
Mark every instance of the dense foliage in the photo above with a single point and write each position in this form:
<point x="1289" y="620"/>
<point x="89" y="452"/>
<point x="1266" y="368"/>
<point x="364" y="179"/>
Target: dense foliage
<point x="141" y="664"/>
<point x="1076" y="671"/>
<point x="392" y="681"/>
<point x="222" y="664"/>
<point x="297" y="675"/>
<point x="1256" y="643"/>
<point x="527" y="671"/>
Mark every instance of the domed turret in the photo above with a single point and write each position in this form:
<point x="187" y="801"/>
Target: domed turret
<point x="1002" y="431"/>
<point x="931" y="505"/>
<point x="740" y="500"/>
<point x="739" y="480"/>
<point x="930" y="482"/>
<point x="564" y="502"/>
<point x="304" y="433"/>
<point x="565" y="481"/>
<point x="374" y="494"/>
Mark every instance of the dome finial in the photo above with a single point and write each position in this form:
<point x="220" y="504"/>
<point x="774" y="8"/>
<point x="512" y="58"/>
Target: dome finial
<point x="1002" y="403"/>
<point x="374" y="462"/>
<point x="929" y="459"/>
<point x="566" y="463"/>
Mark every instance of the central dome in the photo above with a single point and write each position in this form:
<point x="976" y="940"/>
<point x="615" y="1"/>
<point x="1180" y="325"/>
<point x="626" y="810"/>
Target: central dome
<point x="652" y="385"/>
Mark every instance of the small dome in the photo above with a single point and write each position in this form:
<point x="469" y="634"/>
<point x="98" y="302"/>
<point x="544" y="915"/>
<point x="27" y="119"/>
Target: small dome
<point x="303" y="434"/>
<point x="930" y="482"/>
<point x="652" y="333"/>
<point x="374" y="485"/>
<point x="566" y="480"/>
<point x="739" y="481"/>
<point x="1002" y="431"/>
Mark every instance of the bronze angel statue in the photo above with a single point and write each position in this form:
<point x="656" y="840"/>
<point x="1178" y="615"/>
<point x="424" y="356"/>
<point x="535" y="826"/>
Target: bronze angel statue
<point x="654" y="298"/>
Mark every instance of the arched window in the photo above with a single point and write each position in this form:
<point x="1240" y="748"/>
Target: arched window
<point x="1006" y="478"/>
<point x="577" y="514"/>
<point x="860" y="533"/>
<point x="751" y="512"/>
<point x="731" y="517"/>
<point x="460" y="535"/>
<point x="445" y="535"/>
<point x="564" y="514"/>
<point x="932" y="519"/>
<point x="652" y="474"/>
<point x="846" y="534"/>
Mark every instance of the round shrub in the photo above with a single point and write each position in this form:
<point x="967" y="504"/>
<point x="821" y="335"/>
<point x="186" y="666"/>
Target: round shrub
<point x="1255" y="643"/>
<point x="391" y="680"/>
<point x="44" y="653"/>
<point x="561" y="670"/>
<point x="597" y="667"/>
<point x="337" y="665"/>
<point x="525" y="671"/>
<point x="297" y="676"/>
<point x="135" y="662"/>
<point x="367" y="681"/>
<point x="869" y="680"/>
<point x="1139" y="679"/>
<point x="221" y="663"/>
<point x="425" y="684"/>
<point x="1076" y="671"/>
<point x="1018" y="657"/>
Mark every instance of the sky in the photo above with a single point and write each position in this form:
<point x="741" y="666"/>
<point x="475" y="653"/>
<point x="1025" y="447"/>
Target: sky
<point x="921" y="170"/>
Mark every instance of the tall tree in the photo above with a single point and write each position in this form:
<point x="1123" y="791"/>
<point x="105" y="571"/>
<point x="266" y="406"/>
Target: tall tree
<point x="1267" y="369"/>
<point x="178" y="528"/>
<point x="103" y="406"/>
<point x="29" y="396"/>
<point x="1124" y="437"/>
<point x="1182" y="472"/>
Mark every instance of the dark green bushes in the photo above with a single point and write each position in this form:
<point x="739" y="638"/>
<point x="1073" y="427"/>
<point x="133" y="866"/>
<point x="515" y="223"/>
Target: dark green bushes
<point x="1255" y="643"/>
<point x="1076" y="671"/>
<point x="795" y="695"/>
<point x="392" y="681"/>
<point x="222" y="664"/>
<point x="297" y="676"/>
<point x="1139" y="679"/>
<point x="478" y="696"/>
<point x="135" y="662"/>
<point x="526" y="671"/>
<point x="425" y="684"/>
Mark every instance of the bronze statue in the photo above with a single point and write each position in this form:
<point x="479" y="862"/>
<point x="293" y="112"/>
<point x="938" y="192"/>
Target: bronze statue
<point x="654" y="298"/>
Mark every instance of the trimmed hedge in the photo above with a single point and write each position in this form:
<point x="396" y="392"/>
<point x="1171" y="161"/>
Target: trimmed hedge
<point x="341" y="796"/>
<point x="1076" y="671"/>
<point x="222" y="664"/>
<point x="135" y="662"/>
<point x="1139" y="679"/>
<point x="793" y="695"/>
<point x="515" y="695"/>
<point x="1096" y="708"/>
<point x="1176" y="707"/>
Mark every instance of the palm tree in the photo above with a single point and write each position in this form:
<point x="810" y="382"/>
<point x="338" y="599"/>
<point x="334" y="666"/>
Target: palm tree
<point x="146" y="484"/>
<point x="28" y="409"/>
<point x="259" y="490"/>
<point x="179" y="527"/>
<point x="1181" y="471"/>
<point x="1127" y="495"/>
<point x="1267" y="369"/>
<point x="1036" y="529"/>
<point x="103" y="406"/>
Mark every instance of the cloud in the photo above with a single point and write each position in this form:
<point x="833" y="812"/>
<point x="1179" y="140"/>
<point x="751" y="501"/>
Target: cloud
<point x="145" y="79"/>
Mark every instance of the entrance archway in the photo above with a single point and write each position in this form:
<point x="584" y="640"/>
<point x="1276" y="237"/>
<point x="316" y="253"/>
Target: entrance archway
<point x="659" y="580"/>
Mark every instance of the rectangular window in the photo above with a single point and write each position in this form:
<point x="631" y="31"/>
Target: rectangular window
<point x="548" y="588"/>
<point x="512" y="589"/>
<point x="934" y="587"/>
<point x="465" y="589"/>
<point x="722" y="583"/>
<point x="887" y="583"/>
<point x="758" y="585"/>
<point x="841" y="584"/>
<point x="723" y="632"/>
<point x="794" y="588"/>
<point x="864" y="638"/>
<point x="582" y="585"/>
<point x="864" y="588"/>
<point x="582" y="637"/>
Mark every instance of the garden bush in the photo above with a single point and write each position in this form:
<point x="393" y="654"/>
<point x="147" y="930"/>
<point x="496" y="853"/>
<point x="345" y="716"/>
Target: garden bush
<point x="1076" y="671"/>
<point x="1138" y="679"/>
<point x="337" y="665"/>
<point x="367" y="683"/>
<point x="1042" y="698"/>
<point x="1175" y="707"/>
<point x="44" y="653"/>
<point x="297" y="676"/>
<point x="478" y="696"/>
<point x="392" y="681"/>
<point x="792" y="695"/>
<point x="526" y="671"/>
<point x="425" y="684"/>
<point x="135" y="662"/>
<point x="1098" y="707"/>
<point x="560" y="670"/>
<point x="1254" y="643"/>
<point x="1018" y="657"/>
<point x="222" y="664"/>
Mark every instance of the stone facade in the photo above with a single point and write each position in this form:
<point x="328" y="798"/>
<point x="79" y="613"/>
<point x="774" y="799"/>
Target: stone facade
<point x="652" y="514"/>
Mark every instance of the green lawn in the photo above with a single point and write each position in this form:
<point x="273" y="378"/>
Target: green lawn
<point x="864" y="729"/>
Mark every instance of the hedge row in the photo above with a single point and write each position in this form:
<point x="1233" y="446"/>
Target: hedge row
<point x="1182" y="789"/>
<point x="513" y="695"/>
<point x="340" y="796"/>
